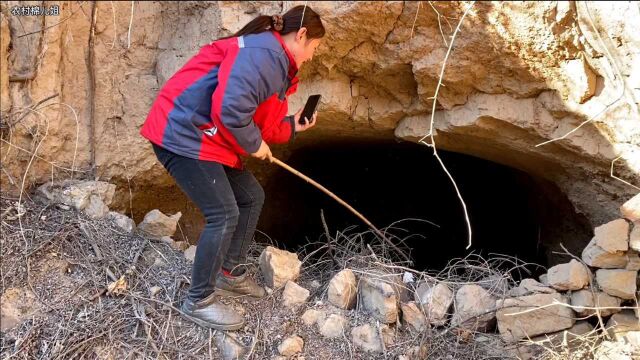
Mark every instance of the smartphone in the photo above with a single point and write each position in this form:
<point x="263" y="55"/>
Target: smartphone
<point x="309" y="108"/>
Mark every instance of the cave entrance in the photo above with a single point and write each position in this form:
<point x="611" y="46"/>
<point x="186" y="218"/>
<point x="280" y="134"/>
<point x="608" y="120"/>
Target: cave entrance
<point x="511" y="212"/>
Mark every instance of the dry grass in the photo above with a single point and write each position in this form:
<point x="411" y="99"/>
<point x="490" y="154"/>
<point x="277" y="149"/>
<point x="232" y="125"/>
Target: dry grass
<point x="76" y="318"/>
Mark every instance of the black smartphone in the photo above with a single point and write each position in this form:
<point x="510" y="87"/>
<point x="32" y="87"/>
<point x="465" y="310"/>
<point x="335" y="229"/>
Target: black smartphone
<point x="309" y="108"/>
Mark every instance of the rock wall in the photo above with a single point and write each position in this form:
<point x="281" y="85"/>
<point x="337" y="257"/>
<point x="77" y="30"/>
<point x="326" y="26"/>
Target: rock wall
<point x="519" y="74"/>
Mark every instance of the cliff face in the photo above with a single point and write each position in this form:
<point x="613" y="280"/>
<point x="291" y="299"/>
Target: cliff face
<point x="518" y="75"/>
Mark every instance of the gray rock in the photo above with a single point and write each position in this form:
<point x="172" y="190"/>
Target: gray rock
<point x="379" y="299"/>
<point x="613" y="236"/>
<point x="156" y="224"/>
<point x="96" y="209"/>
<point x="473" y="306"/>
<point x="634" y="261"/>
<point x="634" y="237"/>
<point x="190" y="253"/>
<point x="570" y="276"/>
<point x="413" y="316"/>
<point x="615" y="350"/>
<point x="312" y="316"/>
<point x="435" y="300"/>
<point x="544" y="279"/>
<point x="176" y="245"/>
<point x="528" y="316"/>
<point x="530" y="286"/>
<point x="584" y="299"/>
<point x="294" y="294"/>
<point x="620" y="283"/>
<point x="122" y="221"/>
<point x="595" y="256"/>
<point x="625" y="327"/>
<point x="279" y="266"/>
<point x="77" y="193"/>
<point x="366" y="338"/>
<point x="333" y="326"/>
<point x="154" y="290"/>
<point x="343" y="289"/>
<point x="388" y="334"/>
<point x="631" y="209"/>
<point x="229" y="346"/>
<point x="570" y="337"/>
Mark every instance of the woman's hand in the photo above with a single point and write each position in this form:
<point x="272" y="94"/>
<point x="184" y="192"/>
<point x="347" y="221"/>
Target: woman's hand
<point x="263" y="153"/>
<point x="308" y="124"/>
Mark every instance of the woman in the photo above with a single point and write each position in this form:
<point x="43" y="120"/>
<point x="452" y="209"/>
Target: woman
<point x="230" y="100"/>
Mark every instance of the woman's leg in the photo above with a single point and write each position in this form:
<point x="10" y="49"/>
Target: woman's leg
<point x="249" y="196"/>
<point x="207" y="185"/>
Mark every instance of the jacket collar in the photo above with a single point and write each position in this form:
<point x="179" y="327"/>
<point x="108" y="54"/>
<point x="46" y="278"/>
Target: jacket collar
<point x="293" y="68"/>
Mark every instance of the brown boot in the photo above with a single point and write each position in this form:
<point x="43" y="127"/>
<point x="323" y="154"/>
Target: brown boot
<point x="210" y="313"/>
<point x="242" y="285"/>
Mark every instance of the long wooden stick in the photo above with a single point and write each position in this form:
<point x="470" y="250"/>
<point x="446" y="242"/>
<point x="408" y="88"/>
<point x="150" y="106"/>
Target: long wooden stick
<point x="342" y="202"/>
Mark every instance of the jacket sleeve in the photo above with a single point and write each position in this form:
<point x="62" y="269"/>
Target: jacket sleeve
<point x="244" y="81"/>
<point x="284" y="132"/>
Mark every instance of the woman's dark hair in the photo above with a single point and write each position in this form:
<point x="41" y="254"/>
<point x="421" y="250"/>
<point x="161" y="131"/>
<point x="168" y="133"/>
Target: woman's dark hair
<point x="291" y="21"/>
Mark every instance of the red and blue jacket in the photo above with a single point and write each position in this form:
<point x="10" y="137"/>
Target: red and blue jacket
<point x="226" y="99"/>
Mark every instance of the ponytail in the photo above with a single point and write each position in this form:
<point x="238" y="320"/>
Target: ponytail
<point x="297" y="17"/>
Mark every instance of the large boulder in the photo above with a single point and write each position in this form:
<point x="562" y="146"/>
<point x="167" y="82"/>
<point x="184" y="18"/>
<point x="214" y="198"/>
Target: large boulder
<point x="570" y="276"/>
<point x="620" y="283"/>
<point x="528" y="316"/>
<point x="379" y="299"/>
<point x="279" y="266"/>
<point x="474" y="308"/>
<point x="156" y="224"/>
<point x="343" y="289"/>
<point x="435" y="299"/>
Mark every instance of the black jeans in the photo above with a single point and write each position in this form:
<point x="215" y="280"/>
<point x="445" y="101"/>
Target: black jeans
<point x="231" y="201"/>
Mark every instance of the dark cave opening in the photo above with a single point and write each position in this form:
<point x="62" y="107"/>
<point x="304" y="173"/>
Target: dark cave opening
<point x="511" y="212"/>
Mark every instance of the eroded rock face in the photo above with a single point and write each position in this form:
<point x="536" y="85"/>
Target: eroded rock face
<point x="520" y="74"/>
